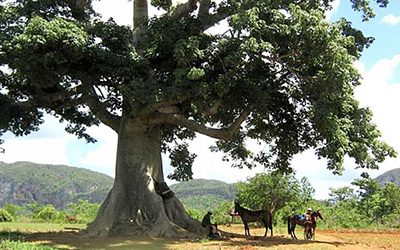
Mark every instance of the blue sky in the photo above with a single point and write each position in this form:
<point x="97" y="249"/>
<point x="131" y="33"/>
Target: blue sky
<point x="380" y="91"/>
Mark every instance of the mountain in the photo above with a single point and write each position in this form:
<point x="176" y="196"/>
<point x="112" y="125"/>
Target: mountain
<point x="203" y="194"/>
<point x="26" y="182"/>
<point x="389" y="176"/>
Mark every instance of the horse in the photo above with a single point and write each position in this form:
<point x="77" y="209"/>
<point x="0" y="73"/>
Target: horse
<point x="309" y="225"/>
<point x="254" y="216"/>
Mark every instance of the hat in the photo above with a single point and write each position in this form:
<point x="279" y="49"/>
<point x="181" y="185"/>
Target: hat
<point x="309" y="209"/>
<point x="209" y="212"/>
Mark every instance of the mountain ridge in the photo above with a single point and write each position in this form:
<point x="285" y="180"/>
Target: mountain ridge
<point x="27" y="182"/>
<point x="389" y="176"/>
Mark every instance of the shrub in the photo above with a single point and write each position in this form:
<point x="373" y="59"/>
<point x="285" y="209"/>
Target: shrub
<point x="5" y="216"/>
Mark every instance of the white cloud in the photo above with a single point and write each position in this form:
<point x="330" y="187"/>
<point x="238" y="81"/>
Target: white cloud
<point x="39" y="150"/>
<point x="380" y="92"/>
<point x="391" y="19"/>
<point x="102" y="155"/>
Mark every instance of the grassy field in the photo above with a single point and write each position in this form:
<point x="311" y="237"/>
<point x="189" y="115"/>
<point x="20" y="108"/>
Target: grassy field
<point x="58" y="236"/>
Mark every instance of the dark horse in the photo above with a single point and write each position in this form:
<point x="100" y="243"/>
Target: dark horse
<point x="309" y="225"/>
<point x="254" y="216"/>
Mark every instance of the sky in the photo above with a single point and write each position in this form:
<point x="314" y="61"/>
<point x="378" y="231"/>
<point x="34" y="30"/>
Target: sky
<point x="380" y="91"/>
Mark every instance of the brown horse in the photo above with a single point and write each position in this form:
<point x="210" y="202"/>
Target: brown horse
<point x="254" y="216"/>
<point x="309" y="225"/>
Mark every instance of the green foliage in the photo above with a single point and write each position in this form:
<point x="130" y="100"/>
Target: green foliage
<point x="5" y="216"/>
<point x="12" y="209"/>
<point x="84" y="211"/>
<point x="46" y="213"/>
<point x="181" y="160"/>
<point x="270" y="191"/>
<point x="282" y="71"/>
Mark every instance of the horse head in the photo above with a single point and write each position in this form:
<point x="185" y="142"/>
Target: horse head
<point x="318" y="214"/>
<point x="237" y="207"/>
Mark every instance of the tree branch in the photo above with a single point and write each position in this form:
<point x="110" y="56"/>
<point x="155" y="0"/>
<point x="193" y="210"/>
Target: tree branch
<point x="99" y="109"/>
<point x="226" y="134"/>
<point x="184" y="9"/>
<point x="158" y="105"/>
<point x="204" y="9"/>
<point x="214" y="107"/>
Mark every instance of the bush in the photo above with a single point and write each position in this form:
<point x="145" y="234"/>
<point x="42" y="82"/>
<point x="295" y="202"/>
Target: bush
<point x="5" y="216"/>
<point x="47" y="213"/>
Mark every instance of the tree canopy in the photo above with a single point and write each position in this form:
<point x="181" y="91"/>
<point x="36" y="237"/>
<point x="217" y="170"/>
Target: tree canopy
<point x="281" y="74"/>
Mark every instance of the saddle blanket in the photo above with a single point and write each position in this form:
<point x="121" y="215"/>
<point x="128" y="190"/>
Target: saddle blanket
<point x="300" y="217"/>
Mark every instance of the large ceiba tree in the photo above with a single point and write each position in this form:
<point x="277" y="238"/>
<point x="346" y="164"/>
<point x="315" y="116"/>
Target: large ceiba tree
<point x="280" y="74"/>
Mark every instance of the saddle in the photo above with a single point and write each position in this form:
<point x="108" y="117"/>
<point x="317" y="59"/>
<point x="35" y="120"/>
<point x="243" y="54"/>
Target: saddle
<point x="300" y="217"/>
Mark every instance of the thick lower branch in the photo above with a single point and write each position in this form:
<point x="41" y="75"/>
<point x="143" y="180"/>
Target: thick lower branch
<point x="221" y="133"/>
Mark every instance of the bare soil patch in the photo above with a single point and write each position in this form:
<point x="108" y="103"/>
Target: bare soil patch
<point x="233" y="239"/>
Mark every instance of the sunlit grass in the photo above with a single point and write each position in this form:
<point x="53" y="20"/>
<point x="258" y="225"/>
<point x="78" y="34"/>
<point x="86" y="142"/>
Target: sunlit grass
<point x="36" y="227"/>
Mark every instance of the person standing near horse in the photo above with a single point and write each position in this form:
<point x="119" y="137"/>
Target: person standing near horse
<point x="308" y="214"/>
<point x="309" y="225"/>
<point x="213" y="230"/>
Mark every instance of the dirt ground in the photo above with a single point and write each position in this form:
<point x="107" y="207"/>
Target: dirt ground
<point x="325" y="239"/>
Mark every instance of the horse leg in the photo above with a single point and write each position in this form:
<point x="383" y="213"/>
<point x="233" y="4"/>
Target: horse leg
<point x="247" y="229"/>
<point x="313" y="232"/>
<point x="294" y="231"/>
<point x="266" y="227"/>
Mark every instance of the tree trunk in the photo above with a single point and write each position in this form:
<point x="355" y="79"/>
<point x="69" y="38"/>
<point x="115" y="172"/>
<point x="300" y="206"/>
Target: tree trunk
<point x="133" y="206"/>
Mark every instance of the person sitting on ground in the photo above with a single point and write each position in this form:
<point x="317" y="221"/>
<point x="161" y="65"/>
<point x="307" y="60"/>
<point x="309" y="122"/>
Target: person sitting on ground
<point x="212" y="228"/>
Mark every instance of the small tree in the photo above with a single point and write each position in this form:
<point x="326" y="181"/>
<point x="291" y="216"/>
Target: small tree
<point x="268" y="191"/>
<point x="371" y="200"/>
<point x="343" y="194"/>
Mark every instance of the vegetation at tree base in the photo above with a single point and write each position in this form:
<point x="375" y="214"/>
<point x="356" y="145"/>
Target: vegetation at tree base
<point x="281" y="74"/>
<point x="83" y="211"/>
<point x="26" y="182"/>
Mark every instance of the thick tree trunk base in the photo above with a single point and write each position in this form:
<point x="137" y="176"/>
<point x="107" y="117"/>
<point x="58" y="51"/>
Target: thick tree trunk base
<point x="172" y="221"/>
<point x="137" y="204"/>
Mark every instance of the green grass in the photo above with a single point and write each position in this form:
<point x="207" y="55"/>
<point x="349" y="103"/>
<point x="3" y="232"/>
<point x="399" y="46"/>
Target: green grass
<point x="18" y="245"/>
<point x="13" y="234"/>
<point x="36" y="227"/>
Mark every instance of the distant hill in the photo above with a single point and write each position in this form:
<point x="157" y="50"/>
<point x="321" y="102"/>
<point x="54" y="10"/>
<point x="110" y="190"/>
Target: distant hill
<point x="389" y="176"/>
<point x="26" y="182"/>
<point x="203" y="194"/>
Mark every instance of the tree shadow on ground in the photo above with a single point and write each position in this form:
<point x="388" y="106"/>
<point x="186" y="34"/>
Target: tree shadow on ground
<point x="260" y="241"/>
<point x="76" y="240"/>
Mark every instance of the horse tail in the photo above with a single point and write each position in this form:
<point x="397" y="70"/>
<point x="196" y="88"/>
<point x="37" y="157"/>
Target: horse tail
<point x="288" y="224"/>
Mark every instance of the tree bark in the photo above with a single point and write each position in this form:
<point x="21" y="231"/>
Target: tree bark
<point x="133" y="206"/>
